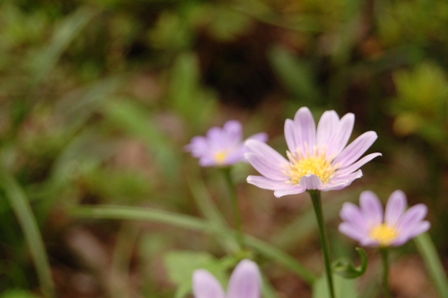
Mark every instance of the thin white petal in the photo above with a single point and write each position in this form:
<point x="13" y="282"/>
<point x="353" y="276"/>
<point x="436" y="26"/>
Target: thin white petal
<point x="261" y="136"/>
<point x="236" y="156"/>
<point x="341" y="135"/>
<point x="371" y="208"/>
<point x="265" y="160"/>
<point x="305" y="128"/>
<point x="216" y="139"/>
<point x="335" y="186"/>
<point x="198" y="146"/>
<point x="245" y="281"/>
<point x="413" y="215"/>
<point x="411" y="232"/>
<point x="350" y="213"/>
<point x="341" y="181"/>
<point x="369" y="242"/>
<point x="205" y="285"/>
<point x="291" y="190"/>
<point x="351" y="231"/>
<point x="311" y="182"/>
<point x="266" y="166"/>
<point x="233" y="131"/>
<point x="326" y="127"/>
<point x="264" y="150"/>
<point x="355" y="166"/>
<point x="291" y="135"/>
<point x="208" y="161"/>
<point x="266" y="183"/>
<point x="357" y="148"/>
<point x="395" y="207"/>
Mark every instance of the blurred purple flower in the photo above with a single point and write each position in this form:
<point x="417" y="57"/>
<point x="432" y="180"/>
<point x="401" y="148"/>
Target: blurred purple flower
<point x="317" y="159"/>
<point x="245" y="282"/>
<point x="222" y="147"/>
<point x="369" y="225"/>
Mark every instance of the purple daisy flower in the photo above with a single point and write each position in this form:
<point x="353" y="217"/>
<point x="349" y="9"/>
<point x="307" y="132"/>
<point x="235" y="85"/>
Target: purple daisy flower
<point x="245" y="282"/>
<point x="317" y="159"/>
<point x="369" y="225"/>
<point x="222" y="146"/>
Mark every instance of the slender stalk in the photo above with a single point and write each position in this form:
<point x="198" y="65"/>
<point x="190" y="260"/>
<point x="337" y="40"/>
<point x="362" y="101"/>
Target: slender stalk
<point x="433" y="264"/>
<point x="236" y="208"/>
<point x="385" y="260"/>
<point x="22" y="209"/>
<point x="317" y="204"/>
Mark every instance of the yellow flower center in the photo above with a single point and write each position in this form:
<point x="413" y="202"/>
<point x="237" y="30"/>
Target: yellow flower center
<point x="318" y="165"/>
<point x="384" y="234"/>
<point x="220" y="157"/>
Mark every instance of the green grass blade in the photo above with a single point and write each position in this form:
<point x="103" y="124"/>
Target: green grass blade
<point x="136" y="213"/>
<point x="195" y="224"/>
<point x="65" y="33"/>
<point x="433" y="265"/>
<point x="24" y="214"/>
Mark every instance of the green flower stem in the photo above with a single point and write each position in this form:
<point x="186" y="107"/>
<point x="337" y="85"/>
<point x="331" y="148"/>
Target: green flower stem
<point x="19" y="203"/>
<point x="317" y="204"/>
<point x="433" y="264"/>
<point x="384" y="251"/>
<point x="236" y="208"/>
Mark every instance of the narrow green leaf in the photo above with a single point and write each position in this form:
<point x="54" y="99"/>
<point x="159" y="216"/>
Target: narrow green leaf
<point x="195" y="224"/>
<point x="345" y="288"/>
<point x="19" y="203"/>
<point x="187" y="97"/>
<point x="18" y="294"/>
<point x="66" y="31"/>
<point x="433" y="264"/>
<point x="142" y="214"/>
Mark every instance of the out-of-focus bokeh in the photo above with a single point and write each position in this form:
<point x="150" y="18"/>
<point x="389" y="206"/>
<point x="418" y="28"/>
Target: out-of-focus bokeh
<point x="99" y="97"/>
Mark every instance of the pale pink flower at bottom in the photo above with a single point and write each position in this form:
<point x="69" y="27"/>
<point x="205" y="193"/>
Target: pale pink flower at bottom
<point x="369" y="225"/>
<point x="245" y="282"/>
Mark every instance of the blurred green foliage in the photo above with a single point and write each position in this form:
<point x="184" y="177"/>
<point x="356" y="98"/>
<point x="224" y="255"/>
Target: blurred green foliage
<point x="422" y="103"/>
<point x="99" y="97"/>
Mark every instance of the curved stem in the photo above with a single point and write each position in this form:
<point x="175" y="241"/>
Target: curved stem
<point x="317" y="204"/>
<point x="385" y="260"/>
<point x="236" y="208"/>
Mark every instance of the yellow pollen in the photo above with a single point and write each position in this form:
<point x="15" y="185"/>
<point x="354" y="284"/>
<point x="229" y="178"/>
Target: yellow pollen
<point x="384" y="234"/>
<point x="220" y="157"/>
<point x="300" y="166"/>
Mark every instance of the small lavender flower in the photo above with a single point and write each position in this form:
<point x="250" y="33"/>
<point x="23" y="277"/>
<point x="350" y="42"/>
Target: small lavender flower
<point x="245" y="282"/>
<point x="222" y="147"/>
<point x="318" y="159"/>
<point x="369" y="225"/>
